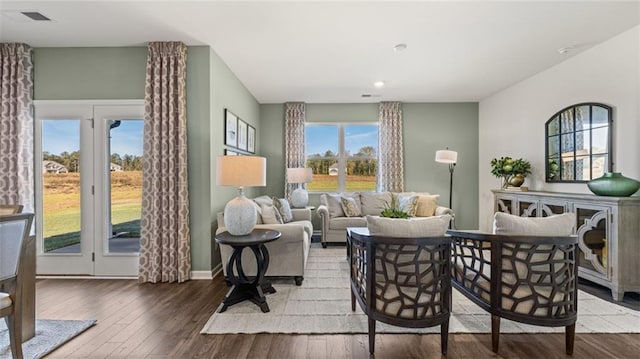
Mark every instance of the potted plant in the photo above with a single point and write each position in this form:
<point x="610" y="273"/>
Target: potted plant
<point x="393" y="211"/>
<point x="512" y="171"/>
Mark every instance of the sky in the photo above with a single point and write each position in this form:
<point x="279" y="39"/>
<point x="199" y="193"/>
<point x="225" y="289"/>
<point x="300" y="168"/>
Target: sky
<point x="320" y="138"/>
<point x="64" y="135"/>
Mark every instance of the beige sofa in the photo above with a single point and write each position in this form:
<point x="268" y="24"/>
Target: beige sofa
<point x="334" y="222"/>
<point x="288" y="254"/>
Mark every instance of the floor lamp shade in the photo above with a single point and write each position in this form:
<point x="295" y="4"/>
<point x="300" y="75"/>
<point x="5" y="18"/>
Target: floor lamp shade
<point x="448" y="157"/>
<point x="299" y="196"/>
<point x="241" y="171"/>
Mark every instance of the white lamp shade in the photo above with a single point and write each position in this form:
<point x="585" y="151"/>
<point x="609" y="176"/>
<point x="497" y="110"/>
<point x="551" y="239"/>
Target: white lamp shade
<point x="446" y="156"/>
<point x="299" y="175"/>
<point x="241" y="171"/>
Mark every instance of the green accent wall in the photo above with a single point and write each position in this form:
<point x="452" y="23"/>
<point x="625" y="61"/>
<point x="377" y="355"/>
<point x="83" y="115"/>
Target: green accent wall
<point x="227" y="92"/>
<point x="198" y="144"/>
<point x="83" y="73"/>
<point x="428" y="127"/>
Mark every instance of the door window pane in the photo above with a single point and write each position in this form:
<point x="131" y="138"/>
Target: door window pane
<point x="125" y="174"/>
<point x="61" y="185"/>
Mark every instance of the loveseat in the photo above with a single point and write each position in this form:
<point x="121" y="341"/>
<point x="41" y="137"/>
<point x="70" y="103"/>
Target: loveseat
<point x="335" y="221"/>
<point x="288" y="255"/>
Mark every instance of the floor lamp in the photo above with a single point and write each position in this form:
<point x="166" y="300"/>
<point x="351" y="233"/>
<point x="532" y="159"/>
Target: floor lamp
<point x="449" y="157"/>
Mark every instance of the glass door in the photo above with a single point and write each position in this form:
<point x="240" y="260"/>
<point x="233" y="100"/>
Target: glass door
<point x="64" y="205"/>
<point x="119" y="138"/>
<point x="89" y="193"/>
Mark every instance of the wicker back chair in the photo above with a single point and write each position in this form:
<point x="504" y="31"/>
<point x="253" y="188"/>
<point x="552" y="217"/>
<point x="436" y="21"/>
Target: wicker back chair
<point x="528" y="279"/>
<point x="401" y="281"/>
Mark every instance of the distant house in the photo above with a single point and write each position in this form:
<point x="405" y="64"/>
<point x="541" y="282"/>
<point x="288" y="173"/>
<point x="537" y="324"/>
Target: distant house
<point x="53" y="167"/>
<point x="333" y="169"/>
<point x="115" y="168"/>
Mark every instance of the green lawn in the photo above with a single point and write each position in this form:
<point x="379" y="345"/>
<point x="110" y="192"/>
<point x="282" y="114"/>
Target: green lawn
<point x="325" y="183"/>
<point x="63" y="227"/>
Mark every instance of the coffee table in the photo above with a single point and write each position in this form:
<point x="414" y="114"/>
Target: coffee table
<point x="248" y="287"/>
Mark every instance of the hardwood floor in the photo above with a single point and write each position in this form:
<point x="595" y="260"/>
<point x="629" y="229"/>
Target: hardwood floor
<point x="164" y="321"/>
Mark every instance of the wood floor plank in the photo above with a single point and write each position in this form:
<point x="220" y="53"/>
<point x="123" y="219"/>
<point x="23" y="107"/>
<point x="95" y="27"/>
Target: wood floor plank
<point x="154" y="321"/>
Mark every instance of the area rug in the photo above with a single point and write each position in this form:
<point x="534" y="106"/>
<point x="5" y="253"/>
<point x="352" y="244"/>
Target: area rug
<point x="50" y="334"/>
<point x="322" y="305"/>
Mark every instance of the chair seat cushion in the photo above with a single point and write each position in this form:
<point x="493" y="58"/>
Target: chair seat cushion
<point x="5" y="300"/>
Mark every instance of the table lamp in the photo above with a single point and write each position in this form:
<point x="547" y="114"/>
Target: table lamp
<point x="241" y="171"/>
<point x="299" y="196"/>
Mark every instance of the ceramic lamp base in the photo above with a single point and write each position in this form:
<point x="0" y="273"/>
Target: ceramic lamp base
<point x="299" y="198"/>
<point x="240" y="216"/>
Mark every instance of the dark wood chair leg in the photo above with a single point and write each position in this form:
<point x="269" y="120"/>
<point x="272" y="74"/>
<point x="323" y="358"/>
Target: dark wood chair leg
<point x="495" y="333"/>
<point x="569" y="337"/>
<point x="298" y="280"/>
<point x="353" y="301"/>
<point x="444" y="337"/>
<point x="372" y="335"/>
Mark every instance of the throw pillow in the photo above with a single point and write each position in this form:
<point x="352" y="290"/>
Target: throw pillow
<point x="282" y="205"/>
<point x="334" y="203"/>
<point x="435" y="226"/>
<point x="263" y="200"/>
<point x="408" y="203"/>
<point x="259" y="212"/>
<point x="372" y="203"/>
<point x="270" y="215"/>
<point x="350" y="207"/>
<point x="427" y="205"/>
<point x="557" y="225"/>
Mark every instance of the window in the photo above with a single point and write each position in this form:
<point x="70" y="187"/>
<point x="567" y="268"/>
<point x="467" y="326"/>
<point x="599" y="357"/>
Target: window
<point x="343" y="157"/>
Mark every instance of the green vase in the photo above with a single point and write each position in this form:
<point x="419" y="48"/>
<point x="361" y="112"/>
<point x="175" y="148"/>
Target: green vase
<point x="614" y="184"/>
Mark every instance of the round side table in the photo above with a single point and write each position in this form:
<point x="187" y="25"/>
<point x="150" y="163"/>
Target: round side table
<point x="246" y="287"/>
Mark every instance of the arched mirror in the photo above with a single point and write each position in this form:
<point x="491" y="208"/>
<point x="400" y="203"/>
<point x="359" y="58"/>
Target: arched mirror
<point x="578" y="143"/>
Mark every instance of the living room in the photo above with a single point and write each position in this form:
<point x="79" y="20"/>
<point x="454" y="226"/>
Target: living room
<point x="508" y="120"/>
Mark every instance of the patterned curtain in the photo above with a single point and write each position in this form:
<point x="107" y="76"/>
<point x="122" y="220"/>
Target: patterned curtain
<point x="165" y="253"/>
<point x="390" y="148"/>
<point x="294" y="140"/>
<point x="16" y="126"/>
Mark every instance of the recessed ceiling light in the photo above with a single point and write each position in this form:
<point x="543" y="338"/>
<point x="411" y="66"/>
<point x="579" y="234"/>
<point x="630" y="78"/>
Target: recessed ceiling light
<point x="378" y="84"/>
<point x="36" y="16"/>
<point x="400" y="47"/>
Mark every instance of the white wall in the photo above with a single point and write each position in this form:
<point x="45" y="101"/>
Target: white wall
<point x="512" y="120"/>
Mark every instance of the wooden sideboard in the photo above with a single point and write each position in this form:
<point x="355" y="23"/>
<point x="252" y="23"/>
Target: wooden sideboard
<point x="608" y="230"/>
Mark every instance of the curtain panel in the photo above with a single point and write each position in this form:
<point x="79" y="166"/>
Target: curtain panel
<point x="165" y="253"/>
<point x="390" y="148"/>
<point x="16" y="126"/>
<point x="294" y="141"/>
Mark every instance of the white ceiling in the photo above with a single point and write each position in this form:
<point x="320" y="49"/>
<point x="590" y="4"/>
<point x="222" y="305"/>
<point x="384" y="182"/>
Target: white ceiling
<point x="332" y="52"/>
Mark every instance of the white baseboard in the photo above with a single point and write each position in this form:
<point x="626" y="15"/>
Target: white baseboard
<point x="205" y="274"/>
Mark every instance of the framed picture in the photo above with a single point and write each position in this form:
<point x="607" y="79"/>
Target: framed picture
<point x="242" y="135"/>
<point x="230" y="129"/>
<point x="251" y="139"/>
<point x="228" y="152"/>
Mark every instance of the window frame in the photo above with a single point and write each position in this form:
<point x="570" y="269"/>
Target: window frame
<point x="342" y="158"/>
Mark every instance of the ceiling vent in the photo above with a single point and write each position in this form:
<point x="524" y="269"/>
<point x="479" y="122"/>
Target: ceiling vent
<point x="36" y="16"/>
